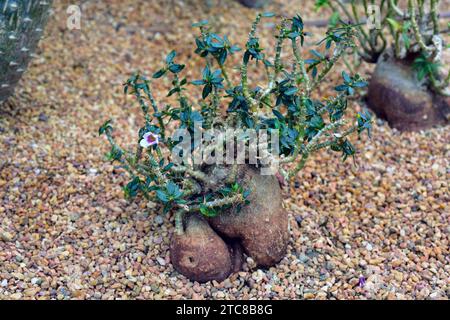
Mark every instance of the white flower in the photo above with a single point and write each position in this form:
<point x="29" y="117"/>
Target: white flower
<point x="149" y="139"/>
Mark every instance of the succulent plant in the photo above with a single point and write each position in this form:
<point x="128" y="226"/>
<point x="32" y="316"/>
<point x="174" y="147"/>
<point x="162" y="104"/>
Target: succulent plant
<point x="218" y="191"/>
<point x="21" y="27"/>
<point x="285" y="106"/>
<point x="412" y="33"/>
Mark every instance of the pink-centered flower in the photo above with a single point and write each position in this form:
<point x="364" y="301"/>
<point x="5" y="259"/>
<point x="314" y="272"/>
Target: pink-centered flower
<point x="149" y="139"/>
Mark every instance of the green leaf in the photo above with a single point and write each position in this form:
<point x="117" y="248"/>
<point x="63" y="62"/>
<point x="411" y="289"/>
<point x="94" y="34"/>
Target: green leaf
<point x="175" y="68"/>
<point x="168" y="167"/>
<point x="291" y="91"/>
<point x="346" y="77"/>
<point x="159" y="74"/>
<point x="321" y="4"/>
<point x="360" y="84"/>
<point x="341" y="87"/>
<point x="333" y="21"/>
<point x="394" y="24"/>
<point x="268" y="14"/>
<point x="170" y="57"/>
<point x="162" y="196"/>
<point x="316" y="53"/>
<point x="104" y="127"/>
<point x="206" y="73"/>
<point x="172" y="91"/>
<point x="198" y="82"/>
<point x="115" y="154"/>
<point x="278" y="114"/>
<point x="173" y="191"/>
<point x="208" y="212"/>
<point x="200" y="23"/>
<point x="206" y="91"/>
<point x="132" y="188"/>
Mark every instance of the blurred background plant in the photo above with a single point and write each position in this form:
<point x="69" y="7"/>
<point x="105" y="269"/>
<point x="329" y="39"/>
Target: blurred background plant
<point x="412" y="31"/>
<point x="21" y="27"/>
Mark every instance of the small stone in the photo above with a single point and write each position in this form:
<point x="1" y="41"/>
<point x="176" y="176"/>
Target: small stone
<point x="43" y="117"/>
<point x="434" y="295"/>
<point x="308" y="295"/>
<point x="159" y="220"/>
<point x="74" y="216"/>
<point x="158" y="240"/>
<point x="330" y="266"/>
<point x="258" y="275"/>
<point x="4" y="283"/>
<point x="16" y="296"/>
<point x="161" y="261"/>
<point x="303" y="258"/>
<point x="6" y="236"/>
<point x="398" y="276"/>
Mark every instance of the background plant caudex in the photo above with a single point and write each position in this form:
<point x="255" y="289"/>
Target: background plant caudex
<point x="408" y="87"/>
<point x="221" y="211"/>
<point x="254" y="3"/>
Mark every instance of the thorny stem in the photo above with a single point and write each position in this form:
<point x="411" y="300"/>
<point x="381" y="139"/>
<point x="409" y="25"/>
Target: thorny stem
<point x="279" y="47"/>
<point x="244" y="76"/>
<point x="433" y="13"/>
<point x="361" y="39"/>
<point x="441" y="88"/>
<point x="215" y="102"/>
<point x="225" y="74"/>
<point x="198" y="175"/>
<point x="446" y="81"/>
<point x="269" y="88"/>
<point x="361" y="30"/>
<point x="237" y="198"/>
<point x="396" y="9"/>
<point x="245" y="90"/>
<point x="339" y="51"/>
<point x="191" y="187"/>
<point x="277" y="63"/>
<point x="331" y="142"/>
<point x="299" y="166"/>
<point x="301" y="64"/>
<point x="232" y="176"/>
<point x="397" y="46"/>
<point x="412" y="12"/>
<point x="179" y="228"/>
<point x="311" y="145"/>
<point x="155" y="108"/>
<point x="156" y="169"/>
<point x="254" y="26"/>
<point x="181" y="98"/>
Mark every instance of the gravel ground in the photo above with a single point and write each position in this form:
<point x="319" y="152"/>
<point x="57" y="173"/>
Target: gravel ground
<point x="375" y="229"/>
